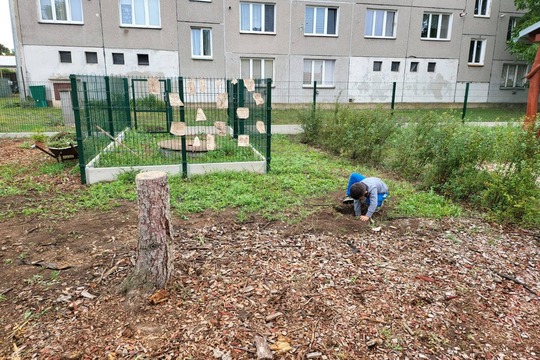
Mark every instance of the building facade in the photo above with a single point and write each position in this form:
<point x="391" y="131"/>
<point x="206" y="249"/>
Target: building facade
<point x="356" y="51"/>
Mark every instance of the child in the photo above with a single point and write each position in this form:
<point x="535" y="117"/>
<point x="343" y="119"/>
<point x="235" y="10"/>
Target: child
<point x="371" y="190"/>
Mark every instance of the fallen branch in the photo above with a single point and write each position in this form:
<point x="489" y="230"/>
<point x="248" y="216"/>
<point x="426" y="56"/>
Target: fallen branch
<point x="4" y="292"/>
<point x="116" y="140"/>
<point x="45" y="265"/>
<point x="517" y="281"/>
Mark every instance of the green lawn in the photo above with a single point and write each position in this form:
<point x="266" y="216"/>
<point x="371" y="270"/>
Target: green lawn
<point x="17" y="116"/>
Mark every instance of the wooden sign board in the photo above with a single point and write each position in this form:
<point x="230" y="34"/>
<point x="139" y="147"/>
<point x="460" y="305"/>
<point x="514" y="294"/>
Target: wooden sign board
<point x="242" y="113"/>
<point x="178" y="128"/>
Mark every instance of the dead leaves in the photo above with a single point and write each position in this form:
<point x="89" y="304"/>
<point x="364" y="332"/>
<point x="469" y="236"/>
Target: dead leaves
<point x="158" y="297"/>
<point x="282" y="345"/>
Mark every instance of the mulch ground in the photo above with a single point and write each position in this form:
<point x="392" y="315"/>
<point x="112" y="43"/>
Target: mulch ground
<point x="329" y="287"/>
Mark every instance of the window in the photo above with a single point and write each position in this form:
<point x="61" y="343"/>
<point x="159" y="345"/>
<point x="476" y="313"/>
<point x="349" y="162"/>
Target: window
<point x="431" y="66"/>
<point x="61" y="10"/>
<point x="257" y="68"/>
<point x="476" y="52"/>
<point x="321" y="71"/>
<point x="257" y="17"/>
<point x="65" y="56"/>
<point x="143" y="59"/>
<point x="118" y="58"/>
<point x="320" y="21"/>
<point x="414" y="66"/>
<point x="436" y="26"/>
<point x="201" y="43"/>
<point x="140" y="13"/>
<point x="512" y="22"/>
<point x="380" y="23"/>
<point x="481" y="7"/>
<point x="395" y="66"/>
<point x="91" y="57"/>
<point x="513" y="76"/>
<point x="377" y="65"/>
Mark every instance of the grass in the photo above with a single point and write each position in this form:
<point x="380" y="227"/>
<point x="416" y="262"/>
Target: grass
<point x="22" y="116"/>
<point x="143" y="149"/>
<point x="299" y="175"/>
<point x="507" y="113"/>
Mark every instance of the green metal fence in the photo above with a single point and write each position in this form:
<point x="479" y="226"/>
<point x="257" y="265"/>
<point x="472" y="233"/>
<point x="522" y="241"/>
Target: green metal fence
<point x="136" y="122"/>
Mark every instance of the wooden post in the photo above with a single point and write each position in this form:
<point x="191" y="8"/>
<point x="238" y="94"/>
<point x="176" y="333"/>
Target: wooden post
<point x="154" y="253"/>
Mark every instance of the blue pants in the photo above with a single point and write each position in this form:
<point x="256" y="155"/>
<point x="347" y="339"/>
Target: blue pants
<point x="354" y="178"/>
<point x="380" y="198"/>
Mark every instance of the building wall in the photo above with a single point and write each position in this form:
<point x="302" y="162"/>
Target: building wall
<point x="169" y="48"/>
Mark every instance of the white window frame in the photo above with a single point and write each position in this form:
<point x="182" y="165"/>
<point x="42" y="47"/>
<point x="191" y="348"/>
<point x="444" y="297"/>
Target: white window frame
<point x="518" y="82"/>
<point x="375" y="14"/>
<point x="262" y="16"/>
<point x="263" y="66"/>
<point x="315" y="17"/>
<point x="477" y="59"/>
<point x="482" y="4"/>
<point x="439" y="26"/>
<point x="201" y="31"/>
<point x="69" y="11"/>
<point x="134" y="4"/>
<point x="326" y="82"/>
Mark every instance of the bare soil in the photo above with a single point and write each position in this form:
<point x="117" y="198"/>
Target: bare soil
<point x="329" y="287"/>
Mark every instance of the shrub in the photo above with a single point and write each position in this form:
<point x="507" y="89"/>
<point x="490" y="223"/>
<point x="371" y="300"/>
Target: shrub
<point x="311" y="124"/>
<point x="356" y="134"/>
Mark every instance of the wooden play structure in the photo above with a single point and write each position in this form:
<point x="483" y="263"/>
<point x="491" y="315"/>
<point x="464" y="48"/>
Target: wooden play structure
<point x="532" y="34"/>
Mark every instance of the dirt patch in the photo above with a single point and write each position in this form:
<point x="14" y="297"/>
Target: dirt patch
<point x="330" y="286"/>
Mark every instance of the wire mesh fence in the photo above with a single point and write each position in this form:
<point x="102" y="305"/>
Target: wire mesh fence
<point x="47" y="106"/>
<point x="165" y="121"/>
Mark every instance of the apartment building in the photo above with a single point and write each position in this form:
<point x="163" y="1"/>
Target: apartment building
<point x="355" y="50"/>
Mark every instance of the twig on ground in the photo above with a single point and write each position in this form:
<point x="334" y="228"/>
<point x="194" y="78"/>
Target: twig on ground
<point x="517" y="281"/>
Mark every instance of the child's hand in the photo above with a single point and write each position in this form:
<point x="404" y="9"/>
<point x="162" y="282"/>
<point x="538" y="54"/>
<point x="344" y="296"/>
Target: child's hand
<point x="364" y="218"/>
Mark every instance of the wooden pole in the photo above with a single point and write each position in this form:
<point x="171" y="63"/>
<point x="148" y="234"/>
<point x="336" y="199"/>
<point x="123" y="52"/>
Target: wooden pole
<point x="154" y="253"/>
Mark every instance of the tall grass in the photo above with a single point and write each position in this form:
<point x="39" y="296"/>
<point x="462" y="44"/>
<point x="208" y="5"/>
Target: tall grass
<point x="495" y="169"/>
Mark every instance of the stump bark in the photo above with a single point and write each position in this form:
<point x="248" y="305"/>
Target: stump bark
<point x="154" y="264"/>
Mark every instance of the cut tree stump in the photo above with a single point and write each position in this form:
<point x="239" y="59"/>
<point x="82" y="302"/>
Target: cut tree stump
<point x="154" y="264"/>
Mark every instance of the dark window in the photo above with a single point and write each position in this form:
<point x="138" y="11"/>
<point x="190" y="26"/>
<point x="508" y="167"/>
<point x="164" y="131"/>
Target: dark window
<point x="512" y="22"/>
<point x="65" y="56"/>
<point x="118" y="58"/>
<point x="91" y="57"/>
<point x="431" y="67"/>
<point x="395" y="66"/>
<point x="377" y="65"/>
<point x="142" y="59"/>
<point x="414" y="66"/>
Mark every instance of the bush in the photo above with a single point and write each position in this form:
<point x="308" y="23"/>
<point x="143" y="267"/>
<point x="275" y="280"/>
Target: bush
<point x="356" y="134"/>
<point x="311" y="124"/>
<point x="513" y="194"/>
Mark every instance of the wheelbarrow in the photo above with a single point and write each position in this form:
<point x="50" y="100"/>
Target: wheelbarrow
<point x="60" y="154"/>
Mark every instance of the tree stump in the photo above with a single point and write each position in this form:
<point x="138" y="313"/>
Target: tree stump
<point x="154" y="263"/>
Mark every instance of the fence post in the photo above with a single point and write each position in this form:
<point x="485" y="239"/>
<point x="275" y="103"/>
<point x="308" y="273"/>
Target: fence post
<point x="232" y="114"/>
<point x="240" y="104"/>
<point x="393" y="96"/>
<point x="109" y="105"/>
<point x="126" y="100"/>
<point x="134" y="102"/>
<point x="268" y="123"/>
<point x="314" y="106"/>
<point x="465" y="102"/>
<point x="86" y="109"/>
<point x="78" y="130"/>
<point x="168" y="107"/>
<point x="182" y="119"/>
